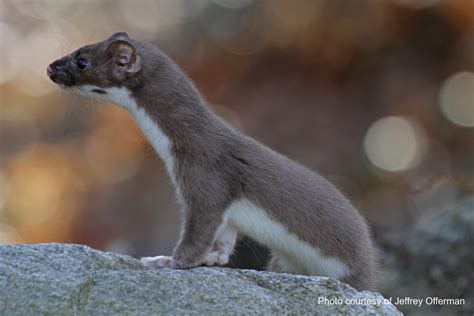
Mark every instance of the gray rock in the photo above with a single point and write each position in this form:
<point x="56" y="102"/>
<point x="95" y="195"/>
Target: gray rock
<point x="61" y="279"/>
<point x="433" y="258"/>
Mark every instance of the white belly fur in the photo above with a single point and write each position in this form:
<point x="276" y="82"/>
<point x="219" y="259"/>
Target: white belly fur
<point x="297" y="256"/>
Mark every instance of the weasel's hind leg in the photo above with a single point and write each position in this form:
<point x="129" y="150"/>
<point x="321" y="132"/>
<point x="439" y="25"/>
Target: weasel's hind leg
<point x="223" y="247"/>
<point x="364" y="279"/>
<point x="274" y="264"/>
<point x="282" y="264"/>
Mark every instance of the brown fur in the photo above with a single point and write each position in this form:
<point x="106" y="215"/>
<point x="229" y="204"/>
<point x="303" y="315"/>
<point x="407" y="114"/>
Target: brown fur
<point x="215" y="165"/>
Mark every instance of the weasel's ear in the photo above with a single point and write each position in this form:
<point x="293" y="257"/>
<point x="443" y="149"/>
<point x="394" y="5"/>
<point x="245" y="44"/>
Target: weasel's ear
<point x="119" y="35"/>
<point x="125" y="57"/>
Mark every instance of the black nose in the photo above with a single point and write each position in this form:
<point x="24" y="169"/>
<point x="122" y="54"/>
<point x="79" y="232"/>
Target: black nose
<point x="50" y="71"/>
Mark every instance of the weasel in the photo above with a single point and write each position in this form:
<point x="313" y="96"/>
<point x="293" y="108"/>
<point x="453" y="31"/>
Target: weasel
<point x="228" y="183"/>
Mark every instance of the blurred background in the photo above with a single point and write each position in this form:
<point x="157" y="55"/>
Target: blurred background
<point x="376" y="95"/>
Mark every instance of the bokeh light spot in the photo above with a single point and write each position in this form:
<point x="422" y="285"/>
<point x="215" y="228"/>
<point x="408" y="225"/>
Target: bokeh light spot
<point x="456" y="98"/>
<point x="43" y="193"/>
<point x="393" y="144"/>
<point x="8" y="235"/>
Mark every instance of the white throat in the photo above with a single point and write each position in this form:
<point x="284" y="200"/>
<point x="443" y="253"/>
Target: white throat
<point x="155" y="135"/>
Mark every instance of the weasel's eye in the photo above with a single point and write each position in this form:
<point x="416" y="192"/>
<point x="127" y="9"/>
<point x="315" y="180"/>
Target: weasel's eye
<point x="82" y="63"/>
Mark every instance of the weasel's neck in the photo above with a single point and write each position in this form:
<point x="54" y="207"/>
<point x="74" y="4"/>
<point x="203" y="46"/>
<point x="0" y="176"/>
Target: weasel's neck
<point x="188" y="128"/>
<point x="157" y="138"/>
<point x="160" y="141"/>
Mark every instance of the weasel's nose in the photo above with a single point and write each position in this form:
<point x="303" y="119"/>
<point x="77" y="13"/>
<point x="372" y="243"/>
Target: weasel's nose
<point x="49" y="71"/>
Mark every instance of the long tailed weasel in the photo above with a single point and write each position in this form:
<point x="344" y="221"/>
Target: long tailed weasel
<point x="226" y="181"/>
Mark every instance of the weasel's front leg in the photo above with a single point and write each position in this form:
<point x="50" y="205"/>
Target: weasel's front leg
<point x="197" y="240"/>
<point x="159" y="262"/>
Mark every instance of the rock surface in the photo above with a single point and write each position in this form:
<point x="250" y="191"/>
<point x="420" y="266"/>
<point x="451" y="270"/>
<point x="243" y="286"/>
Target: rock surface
<point x="434" y="258"/>
<point x="61" y="279"/>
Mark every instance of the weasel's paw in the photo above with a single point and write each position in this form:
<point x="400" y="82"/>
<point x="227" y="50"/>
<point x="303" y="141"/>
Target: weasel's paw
<point x="159" y="262"/>
<point x="215" y="257"/>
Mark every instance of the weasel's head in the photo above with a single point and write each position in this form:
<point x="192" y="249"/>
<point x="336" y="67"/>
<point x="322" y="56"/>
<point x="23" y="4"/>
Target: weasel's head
<point x="115" y="62"/>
